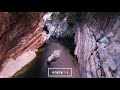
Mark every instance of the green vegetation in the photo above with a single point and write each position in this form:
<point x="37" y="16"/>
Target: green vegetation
<point x="73" y="17"/>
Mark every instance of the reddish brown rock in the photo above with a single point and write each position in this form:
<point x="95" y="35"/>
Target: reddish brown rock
<point x="19" y="33"/>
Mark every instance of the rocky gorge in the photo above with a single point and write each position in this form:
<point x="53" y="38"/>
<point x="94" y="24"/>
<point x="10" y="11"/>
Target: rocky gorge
<point x="91" y="40"/>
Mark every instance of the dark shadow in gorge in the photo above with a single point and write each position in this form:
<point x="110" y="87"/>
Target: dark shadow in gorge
<point x="67" y="42"/>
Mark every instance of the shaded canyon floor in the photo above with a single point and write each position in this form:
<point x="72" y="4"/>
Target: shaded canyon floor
<point x="66" y="60"/>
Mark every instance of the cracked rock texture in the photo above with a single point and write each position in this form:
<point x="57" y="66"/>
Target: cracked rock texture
<point x="97" y="39"/>
<point x="98" y="45"/>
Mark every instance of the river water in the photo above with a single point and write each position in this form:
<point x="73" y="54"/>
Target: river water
<point x="66" y="60"/>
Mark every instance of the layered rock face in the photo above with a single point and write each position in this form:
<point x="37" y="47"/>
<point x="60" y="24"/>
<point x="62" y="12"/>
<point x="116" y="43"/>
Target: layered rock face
<point x="20" y="37"/>
<point x="97" y="39"/>
<point x="98" y="45"/>
<point x="58" y="27"/>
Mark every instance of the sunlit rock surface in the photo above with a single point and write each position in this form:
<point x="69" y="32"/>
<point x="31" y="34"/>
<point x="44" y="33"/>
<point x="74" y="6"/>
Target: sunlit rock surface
<point x="97" y="39"/>
<point x="19" y="40"/>
<point x="58" y="27"/>
<point x="11" y="65"/>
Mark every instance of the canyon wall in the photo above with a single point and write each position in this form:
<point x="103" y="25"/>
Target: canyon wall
<point x="20" y="37"/>
<point x="98" y="45"/>
<point x="97" y="39"/>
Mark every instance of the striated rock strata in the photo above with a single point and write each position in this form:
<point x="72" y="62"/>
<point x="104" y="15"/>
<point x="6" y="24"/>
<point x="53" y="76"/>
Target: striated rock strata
<point x="20" y="37"/>
<point x="98" y="45"/>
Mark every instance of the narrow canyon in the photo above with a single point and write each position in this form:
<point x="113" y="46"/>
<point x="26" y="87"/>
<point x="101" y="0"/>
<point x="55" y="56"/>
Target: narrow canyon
<point x="89" y="43"/>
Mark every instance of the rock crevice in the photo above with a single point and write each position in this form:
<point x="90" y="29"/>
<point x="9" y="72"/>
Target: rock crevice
<point x="96" y="46"/>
